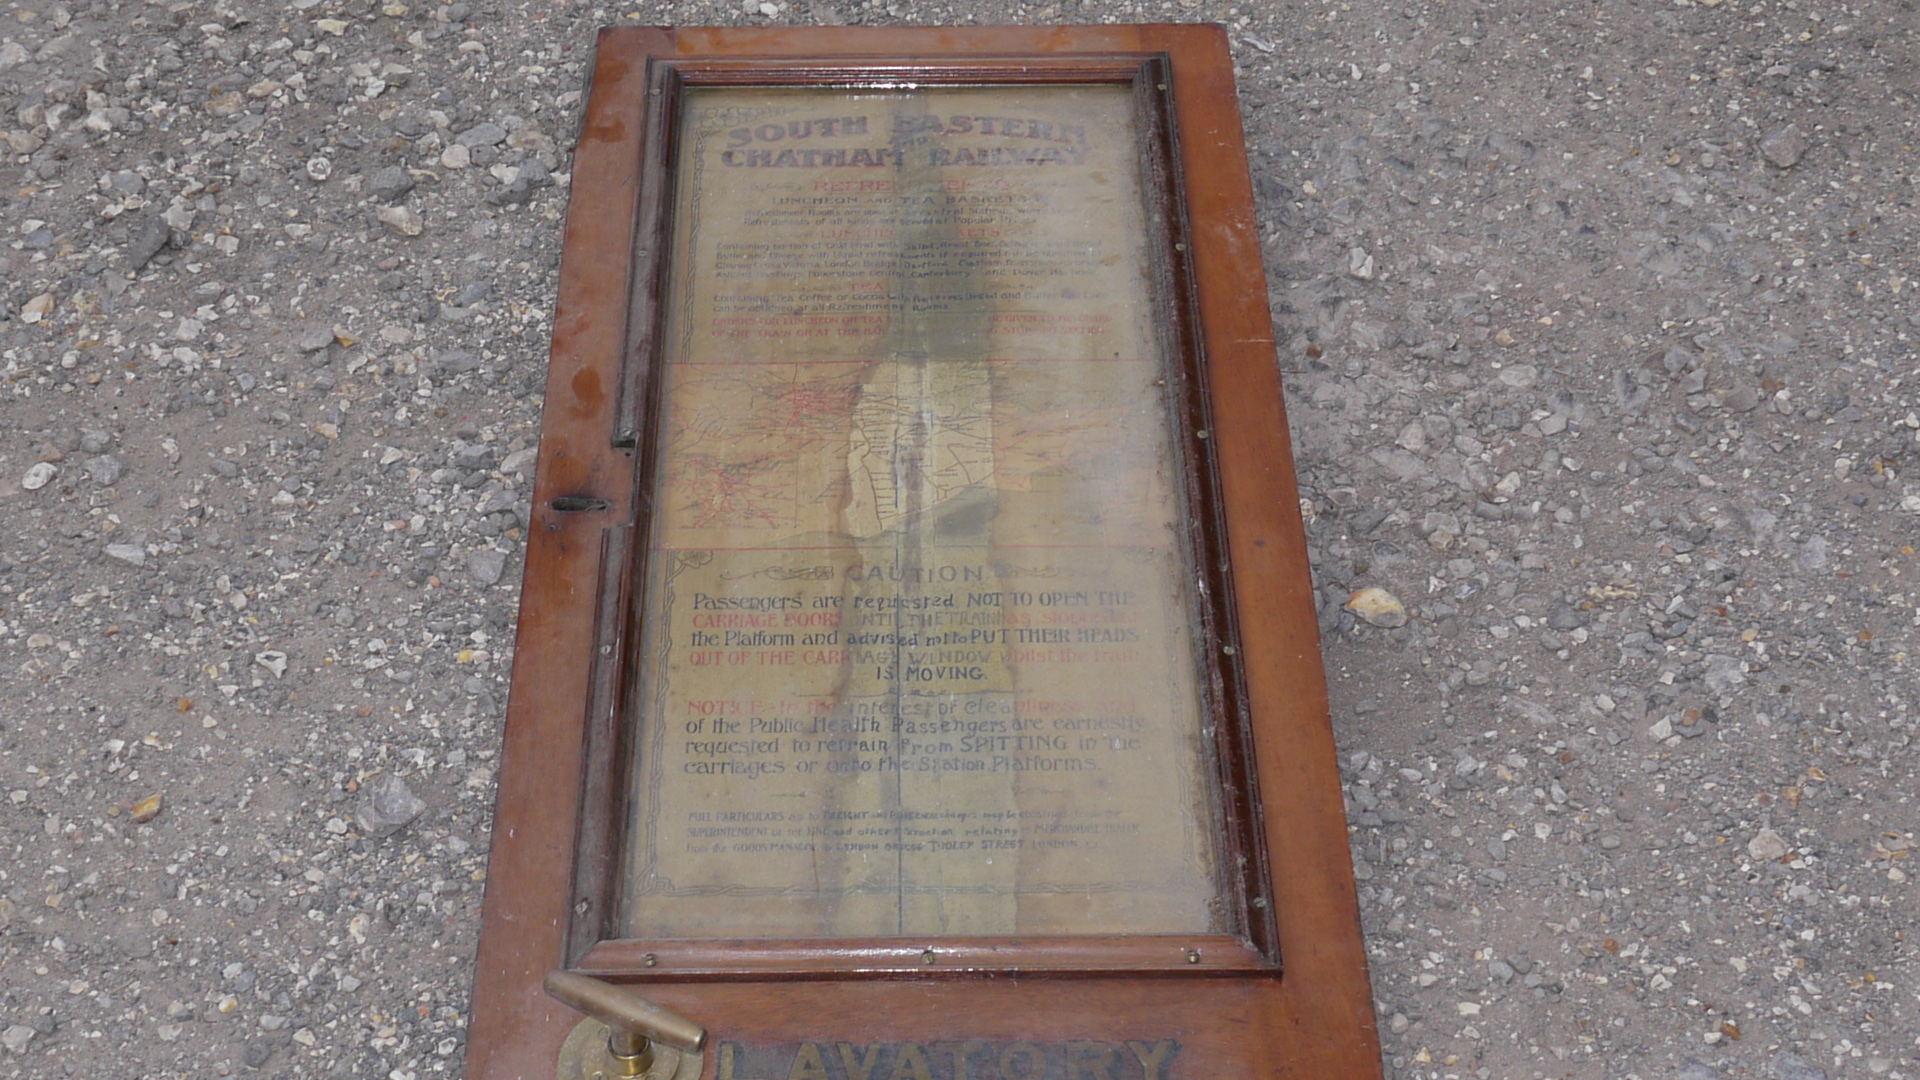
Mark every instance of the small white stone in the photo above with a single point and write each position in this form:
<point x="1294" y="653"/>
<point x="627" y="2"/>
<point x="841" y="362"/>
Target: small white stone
<point x="520" y="461"/>
<point x="1767" y="846"/>
<point x="402" y="220"/>
<point x="455" y="157"/>
<point x="1520" y="376"/>
<point x="32" y="312"/>
<point x="131" y="554"/>
<point x="39" y="476"/>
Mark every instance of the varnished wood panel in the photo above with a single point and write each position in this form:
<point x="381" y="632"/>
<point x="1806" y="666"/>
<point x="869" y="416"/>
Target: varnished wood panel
<point x="1314" y="1020"/>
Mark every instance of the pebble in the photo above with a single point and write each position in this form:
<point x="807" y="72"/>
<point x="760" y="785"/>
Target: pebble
<point x="1784" y="146"/>
<point x="401" y="219"/>
<point x="387" y="805"/>
<point x="486" y="565"/>
<point x="1564" y="617"/>
<point x="38" y="476"/>
<point x="482" y="134"/>
<point x="16" y="1038"/>
<point x="457" y="362"/>
<point x="1725" y="674"/>
<point x="520" y="461"/>
<point x="105" y="470"/>
<point x="131" y="554"/>
<point x="1813" y="554"/>
<point x="231" y="103"/>
<point x="1378" y="607"/>
<point x="390" y="184"/>
<point x="1767" y="846"/>
<point x="1520" y="376"/>
<point x="152" y="236"/>
<point x="318" y="169"/>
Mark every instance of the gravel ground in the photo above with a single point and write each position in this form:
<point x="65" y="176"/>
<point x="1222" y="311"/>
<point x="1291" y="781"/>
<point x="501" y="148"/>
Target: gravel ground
<point x="1600" y="331"/>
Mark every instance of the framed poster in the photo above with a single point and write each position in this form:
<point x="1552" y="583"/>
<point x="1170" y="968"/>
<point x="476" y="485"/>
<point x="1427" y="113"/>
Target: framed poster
<point x="917" y="649"/>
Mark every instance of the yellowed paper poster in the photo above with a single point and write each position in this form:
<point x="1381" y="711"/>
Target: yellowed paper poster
<point x="918" y="652"/>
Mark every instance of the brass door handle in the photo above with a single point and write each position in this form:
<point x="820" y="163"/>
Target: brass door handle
<point x="641" y="1038"/>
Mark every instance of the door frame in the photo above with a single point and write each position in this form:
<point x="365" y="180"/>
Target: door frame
<point x="552" y="877"/>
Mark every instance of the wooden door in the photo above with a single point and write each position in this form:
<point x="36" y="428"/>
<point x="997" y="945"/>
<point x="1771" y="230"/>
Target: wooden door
<point x="917" y="673"/>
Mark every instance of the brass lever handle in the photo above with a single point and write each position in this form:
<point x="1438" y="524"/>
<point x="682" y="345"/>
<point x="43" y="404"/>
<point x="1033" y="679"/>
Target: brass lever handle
<point x="634" y="1024"/>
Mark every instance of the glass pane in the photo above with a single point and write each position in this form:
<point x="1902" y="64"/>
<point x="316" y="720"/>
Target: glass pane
<point x="918" y="646"/>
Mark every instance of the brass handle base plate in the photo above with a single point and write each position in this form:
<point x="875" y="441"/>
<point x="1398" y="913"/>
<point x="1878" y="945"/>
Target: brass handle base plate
<point x="584" y="1056"/>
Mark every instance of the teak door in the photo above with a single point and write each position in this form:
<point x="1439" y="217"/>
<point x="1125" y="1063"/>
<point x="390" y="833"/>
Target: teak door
<point x="917" y="673"/>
